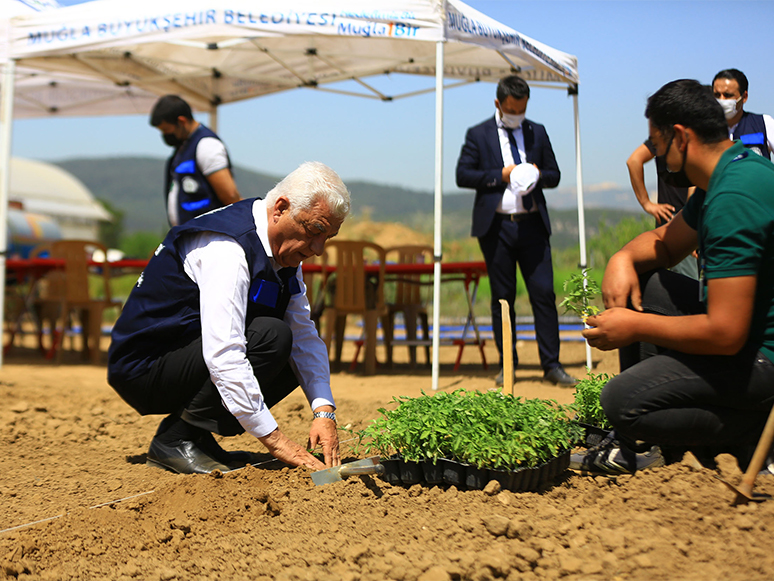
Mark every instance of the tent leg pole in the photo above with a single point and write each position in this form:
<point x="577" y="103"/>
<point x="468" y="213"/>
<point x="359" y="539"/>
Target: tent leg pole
<point x="214" y="118"/>
<point x="581" y="212"/>
<point x="437" y="245"/>
<point x="6" y="132"/>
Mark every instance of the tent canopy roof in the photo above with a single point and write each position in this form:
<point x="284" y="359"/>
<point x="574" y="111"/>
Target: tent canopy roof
<point x="212" y="54"/>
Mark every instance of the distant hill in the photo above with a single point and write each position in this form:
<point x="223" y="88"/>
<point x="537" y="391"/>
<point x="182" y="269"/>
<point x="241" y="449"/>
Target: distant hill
<point x="134" y="185"/>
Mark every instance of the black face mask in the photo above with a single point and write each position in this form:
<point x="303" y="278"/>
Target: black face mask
<point x="678" y="178"/>
<point x="171" y="139"/>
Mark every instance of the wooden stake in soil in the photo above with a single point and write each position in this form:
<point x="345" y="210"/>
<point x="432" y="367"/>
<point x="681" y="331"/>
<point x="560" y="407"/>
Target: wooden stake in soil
<point x="744" y="492"/>
<point x="507" y="348"/>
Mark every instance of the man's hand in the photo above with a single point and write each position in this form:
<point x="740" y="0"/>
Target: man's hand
<point x="661" y="212"/>
<point x="323" y="432"/>
<point x="611" y="329"/>
<point x="507" y="173"/>
<point x="621" y="283"/>
<point x="285" y="449"/>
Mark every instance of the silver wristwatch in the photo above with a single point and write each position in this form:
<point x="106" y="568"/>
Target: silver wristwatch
<point x="329" y="415"/>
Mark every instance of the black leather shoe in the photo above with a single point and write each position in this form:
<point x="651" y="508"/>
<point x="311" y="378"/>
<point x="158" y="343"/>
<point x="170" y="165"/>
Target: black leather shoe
<point x="183" y="457"/>
<point x="236" y="459"/>
<point x="558" y="376"/>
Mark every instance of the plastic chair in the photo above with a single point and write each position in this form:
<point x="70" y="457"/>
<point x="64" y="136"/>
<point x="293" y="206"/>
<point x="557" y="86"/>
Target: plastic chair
<point x="408" y="299"/>
<point x="355" y="292"/>
<point x="315" y="288"/>
<point x="64" y="293"/>
<point x="13" y="313"/>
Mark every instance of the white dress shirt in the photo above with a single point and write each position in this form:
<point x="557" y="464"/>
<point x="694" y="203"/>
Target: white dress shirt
<point x="218" y="266"/>
<point x="511" y="202"/>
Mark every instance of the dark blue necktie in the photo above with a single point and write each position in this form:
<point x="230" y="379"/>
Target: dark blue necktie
<point x="526" y="200"/>
<point x="514" y="147"/>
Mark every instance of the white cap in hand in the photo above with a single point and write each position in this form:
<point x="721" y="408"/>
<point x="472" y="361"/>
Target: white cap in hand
<point x="524" y="178"/>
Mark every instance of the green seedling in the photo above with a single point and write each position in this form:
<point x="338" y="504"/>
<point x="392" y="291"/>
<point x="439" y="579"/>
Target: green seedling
<point x="587" y="406"/>
<point x="581" y="291"/>
<point x="488" y="430"/>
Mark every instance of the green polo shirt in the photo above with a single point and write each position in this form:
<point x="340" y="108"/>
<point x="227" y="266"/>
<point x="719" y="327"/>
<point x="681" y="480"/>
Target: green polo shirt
<point x="734" y="221"/>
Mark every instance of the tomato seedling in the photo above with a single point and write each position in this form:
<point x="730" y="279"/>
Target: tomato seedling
<point x="581" y="291"/>
<point x="587" y="404"/>
<point x="488" y="430"/>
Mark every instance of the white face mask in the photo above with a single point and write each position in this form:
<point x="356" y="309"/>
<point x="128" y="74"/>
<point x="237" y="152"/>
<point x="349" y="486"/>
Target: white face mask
<point x="512" y="121"/>
<point x="729" y="106"/>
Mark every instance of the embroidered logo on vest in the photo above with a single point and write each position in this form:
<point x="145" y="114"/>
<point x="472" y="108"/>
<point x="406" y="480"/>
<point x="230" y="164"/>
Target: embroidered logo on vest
<point x="264" y="292"/>
<point x="190" y="185"/>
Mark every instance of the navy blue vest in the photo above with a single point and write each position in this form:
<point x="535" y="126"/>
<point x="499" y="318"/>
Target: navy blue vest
<point x="162" y="312"/>
<point x="751" y="130"/>
<point x="195" y="195"/>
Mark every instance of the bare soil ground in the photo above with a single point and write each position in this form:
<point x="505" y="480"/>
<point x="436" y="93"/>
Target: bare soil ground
<point x="73" y="462"/>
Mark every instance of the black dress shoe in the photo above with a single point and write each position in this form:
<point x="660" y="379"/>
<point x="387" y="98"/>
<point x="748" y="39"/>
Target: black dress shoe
<point x="558" y="376"/>
<point x="183" y="457"/>
<point x="236" y="459"/>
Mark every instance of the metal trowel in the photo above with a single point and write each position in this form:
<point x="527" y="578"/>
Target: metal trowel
<point x="337" y="473"/>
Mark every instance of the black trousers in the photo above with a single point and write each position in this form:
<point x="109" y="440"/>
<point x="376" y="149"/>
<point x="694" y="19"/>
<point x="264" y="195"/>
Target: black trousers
<point x="525" y="243"/>
<point x="676" y="399"/>
<point x="179" y="382"/>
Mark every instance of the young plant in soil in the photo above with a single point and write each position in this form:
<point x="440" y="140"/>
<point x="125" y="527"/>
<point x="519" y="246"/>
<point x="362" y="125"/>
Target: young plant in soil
<point x="587" y="406"/>
<point x="581" y="291"/>
<point x="487" y="430"/>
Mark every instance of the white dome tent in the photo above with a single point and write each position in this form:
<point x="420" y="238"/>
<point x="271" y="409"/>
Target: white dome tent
<point x="211" y="54"/>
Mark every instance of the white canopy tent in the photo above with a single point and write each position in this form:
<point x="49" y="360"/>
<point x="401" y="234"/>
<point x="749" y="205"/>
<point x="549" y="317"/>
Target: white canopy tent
<point x="38" y="93"/>
<point x="211" y="54"/>
<point x="41" y="94"/>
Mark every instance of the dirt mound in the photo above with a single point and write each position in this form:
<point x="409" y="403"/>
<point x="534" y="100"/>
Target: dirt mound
<point x="385" y="234"/>
<point x="74" y="455"/>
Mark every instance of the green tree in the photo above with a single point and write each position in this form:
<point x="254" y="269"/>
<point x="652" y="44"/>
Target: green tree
<point x="110" y="233"/>
<point x="140" y="244"/>
<point x="610" y="238"/>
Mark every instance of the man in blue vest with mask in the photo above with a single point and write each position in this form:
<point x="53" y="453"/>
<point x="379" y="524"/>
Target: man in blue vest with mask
<point x="217" y="329"/>
<point x="198" y="175"/>
<point x="755" y="131"/>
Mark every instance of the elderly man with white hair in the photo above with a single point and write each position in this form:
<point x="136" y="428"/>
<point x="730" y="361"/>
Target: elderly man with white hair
<point x="217" y="329"/>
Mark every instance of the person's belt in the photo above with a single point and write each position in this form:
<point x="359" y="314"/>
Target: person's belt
<point x="520" y="217"/>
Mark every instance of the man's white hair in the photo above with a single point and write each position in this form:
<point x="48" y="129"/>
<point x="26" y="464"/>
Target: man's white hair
<point x="311" y="182"/>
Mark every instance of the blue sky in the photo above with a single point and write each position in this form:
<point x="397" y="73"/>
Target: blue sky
<point x="625" y="50"/>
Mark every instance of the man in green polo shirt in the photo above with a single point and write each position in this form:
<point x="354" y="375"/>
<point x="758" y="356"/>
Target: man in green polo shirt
<point x="700" y="378"/>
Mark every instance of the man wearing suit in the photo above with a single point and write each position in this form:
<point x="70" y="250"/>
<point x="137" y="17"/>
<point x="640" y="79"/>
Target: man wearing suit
<point x="508" y="160"/>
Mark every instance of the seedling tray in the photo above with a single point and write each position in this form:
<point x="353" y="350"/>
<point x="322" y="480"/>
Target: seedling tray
<point x="400" y="472"/>
<point x="593" y="435"/>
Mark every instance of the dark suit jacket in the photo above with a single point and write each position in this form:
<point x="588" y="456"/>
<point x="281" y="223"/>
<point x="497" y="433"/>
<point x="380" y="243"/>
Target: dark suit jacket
<point x="480" y="166"/>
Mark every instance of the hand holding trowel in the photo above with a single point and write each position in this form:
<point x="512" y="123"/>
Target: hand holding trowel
<point x="337" y="473"/>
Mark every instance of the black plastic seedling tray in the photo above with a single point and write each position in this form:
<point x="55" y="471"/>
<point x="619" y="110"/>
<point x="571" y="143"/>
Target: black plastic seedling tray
<point x="444" y="471"/>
